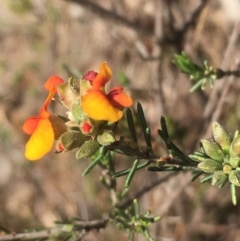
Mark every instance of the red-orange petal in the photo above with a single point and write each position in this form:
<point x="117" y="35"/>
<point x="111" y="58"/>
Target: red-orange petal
<point x="47" y="101"/>
<point x="104" y="75"/>
<point x="53" y="82"/>
<point x="30" y="125"/>
<point x="97" y="106"/>
<point x="41" y="140"/>
<point x="118" y="98"/>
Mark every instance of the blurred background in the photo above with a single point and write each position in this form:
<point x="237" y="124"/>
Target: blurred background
<point x="138" y="39"/>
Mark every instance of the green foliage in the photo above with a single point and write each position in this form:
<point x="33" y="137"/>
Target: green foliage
<point x="221" y="158"/>
<point x="133" y="221"/>
<point x="199" y="74"/>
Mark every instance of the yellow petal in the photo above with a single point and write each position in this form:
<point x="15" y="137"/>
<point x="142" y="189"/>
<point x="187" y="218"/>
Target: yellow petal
<point x="41" y="141"/>
<point x="97" y="106"/>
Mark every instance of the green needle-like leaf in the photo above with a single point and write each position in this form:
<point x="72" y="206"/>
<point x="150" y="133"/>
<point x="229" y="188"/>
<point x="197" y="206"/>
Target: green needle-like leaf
<point x="126" y="171"/>
<point x="145" y="128"/>
<point x="196" y="175"/>
<point x="167" y="168"/>
<point x="95" y="162"/>
<point x="131" y="235"/>
<point x="164" y="132"/>
<point x="131" y="125"/>
<point x="207" y="178"/>
<point x="233" y="194"/>
<point x="196" y="86"/>
<point x="147" y="235"/>
<point x="136" y="208"/>
<point x="131" y="173"/>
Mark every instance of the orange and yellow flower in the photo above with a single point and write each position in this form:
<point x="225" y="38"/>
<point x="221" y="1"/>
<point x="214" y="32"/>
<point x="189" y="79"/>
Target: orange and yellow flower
<point x="45" y="127"/>
<point x="101" y="106"/>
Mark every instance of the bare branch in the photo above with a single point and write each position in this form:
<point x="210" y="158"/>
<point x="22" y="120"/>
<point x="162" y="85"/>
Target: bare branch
<point x="213" y="109"/>
<point x="177" y="35"/>
<point x="109" y="15"/>
<point x="31" y="235"/>
<point x="77" y="225"/>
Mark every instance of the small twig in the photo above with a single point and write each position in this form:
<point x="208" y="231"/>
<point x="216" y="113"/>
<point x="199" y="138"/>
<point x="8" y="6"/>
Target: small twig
<point x="234" y="73"/>
<point x="88" y="225"/>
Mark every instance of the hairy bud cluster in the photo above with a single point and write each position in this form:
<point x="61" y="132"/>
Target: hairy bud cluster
<point x="220" y="156"/>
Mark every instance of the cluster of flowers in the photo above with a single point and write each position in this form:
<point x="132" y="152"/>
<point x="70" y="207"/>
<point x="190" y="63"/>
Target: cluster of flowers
<point x="91" y="117"/>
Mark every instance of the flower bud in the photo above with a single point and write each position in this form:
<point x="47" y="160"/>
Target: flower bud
<point x="234" y="177"/>
<point x="87" y="149"/>
<point x="234" y="161"/>
<point x="213" y="150"/>
<point x="219" y="178"/>
<point x="88" y="126"/>
<point x="67" y="95"/>
<point x="222" y="137"/>
<point x="227" y="169"/>
<point x="74" y="83"/>
<point x="70" y="140"/>
<point x="235" y="146"/>
<point x="85" y="85"/>
<point x="210" y="166"/>
<point x="76" y="110"/>
<point x="106" y="138"/>
<point x="90" y="75"/>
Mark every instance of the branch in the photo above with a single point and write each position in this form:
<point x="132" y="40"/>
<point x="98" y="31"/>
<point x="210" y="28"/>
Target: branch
<point x="172" y="38"/>
<point x="192" y="19"/>
<point x="111" y="16"/>
<point x="31" y="235"/>
<point x="77" y="225"/>
<point x="176" y="36"/>
<point x="213" y="109"/>
<point x="94" y="224"/>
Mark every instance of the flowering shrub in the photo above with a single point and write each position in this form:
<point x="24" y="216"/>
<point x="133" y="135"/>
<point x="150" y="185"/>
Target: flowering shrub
<point x="90" y="126"/>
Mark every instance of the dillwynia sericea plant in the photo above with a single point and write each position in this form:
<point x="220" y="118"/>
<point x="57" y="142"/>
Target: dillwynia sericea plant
<point x="90" y="126"/>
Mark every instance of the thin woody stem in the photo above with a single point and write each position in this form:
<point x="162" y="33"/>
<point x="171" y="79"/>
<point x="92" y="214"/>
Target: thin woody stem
<point x="56" y="231"/>
<point x="79" y="225"/>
